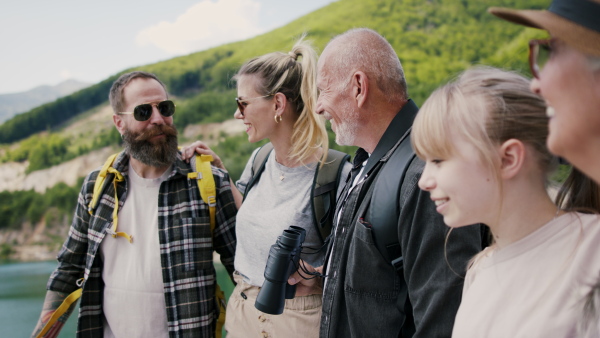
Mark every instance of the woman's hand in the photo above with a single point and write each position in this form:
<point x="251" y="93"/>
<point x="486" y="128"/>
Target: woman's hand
<point x="202" y="149"/>
<point x="307" y="284"/>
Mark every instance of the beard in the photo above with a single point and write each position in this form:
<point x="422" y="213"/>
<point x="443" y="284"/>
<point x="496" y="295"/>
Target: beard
<point x="346" y="131"/>
<point x="158" y="153"/>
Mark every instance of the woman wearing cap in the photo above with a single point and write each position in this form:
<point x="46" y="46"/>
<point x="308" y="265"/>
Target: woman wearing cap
<point x="566" y="71"/>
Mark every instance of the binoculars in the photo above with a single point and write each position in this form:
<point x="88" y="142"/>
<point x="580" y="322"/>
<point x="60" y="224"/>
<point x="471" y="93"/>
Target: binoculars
<point x="282" y="262"/>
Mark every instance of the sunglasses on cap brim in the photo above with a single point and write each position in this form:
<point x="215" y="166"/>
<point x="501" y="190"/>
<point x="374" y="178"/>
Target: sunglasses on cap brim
<point x="143" y="112"/>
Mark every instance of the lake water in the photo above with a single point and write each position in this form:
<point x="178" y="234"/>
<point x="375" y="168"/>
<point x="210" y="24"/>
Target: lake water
<point x="22" y="292"/>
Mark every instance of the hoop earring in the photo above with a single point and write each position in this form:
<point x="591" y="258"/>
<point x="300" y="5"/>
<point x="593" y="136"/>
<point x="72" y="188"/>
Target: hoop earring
<point x="277" y="118"/>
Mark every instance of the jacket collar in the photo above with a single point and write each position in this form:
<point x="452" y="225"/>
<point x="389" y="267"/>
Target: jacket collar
<point x="397" y="130"/>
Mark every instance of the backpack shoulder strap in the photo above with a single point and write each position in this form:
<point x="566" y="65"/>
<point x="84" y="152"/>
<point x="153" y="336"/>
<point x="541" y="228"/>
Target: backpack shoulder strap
<point x="100" y="185"/>
<point x="324" y="191"/>
<point x="324" y="188"/>
<point x="64" y="306"/>
<point x="384" y="210"/>
<point x="206" y="184"/>
<point x="208" y="192"/>
<point x="258" y="165"/>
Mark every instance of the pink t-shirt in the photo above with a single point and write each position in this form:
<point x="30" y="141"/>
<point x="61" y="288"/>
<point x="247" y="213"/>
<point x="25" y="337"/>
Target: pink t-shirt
<point x="535" y="286"/>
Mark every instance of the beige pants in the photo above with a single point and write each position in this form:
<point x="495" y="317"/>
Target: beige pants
<point x="300" y="318"/>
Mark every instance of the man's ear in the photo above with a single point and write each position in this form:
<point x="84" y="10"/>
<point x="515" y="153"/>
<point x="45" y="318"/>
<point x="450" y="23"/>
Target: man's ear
<point x="280" y="102"/>
<point x="360" y="87"/>
<point x="512" y="156"/>
<point x="119" y="123"/>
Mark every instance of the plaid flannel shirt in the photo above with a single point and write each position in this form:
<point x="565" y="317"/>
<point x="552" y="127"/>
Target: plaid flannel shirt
<point x="186" y="246"/>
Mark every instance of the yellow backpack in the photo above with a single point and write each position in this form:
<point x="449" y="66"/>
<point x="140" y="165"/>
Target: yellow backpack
<point x="208" y="191"/>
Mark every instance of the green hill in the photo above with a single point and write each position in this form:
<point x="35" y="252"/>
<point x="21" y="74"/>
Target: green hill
<point x="435" y="39"/>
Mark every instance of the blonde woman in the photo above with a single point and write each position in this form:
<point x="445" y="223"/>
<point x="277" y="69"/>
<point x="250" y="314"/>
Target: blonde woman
<point x="276" y="101"/>
<point x="483" y="139"/>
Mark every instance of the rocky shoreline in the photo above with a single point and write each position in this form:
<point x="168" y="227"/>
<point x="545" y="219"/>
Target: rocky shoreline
<point x="32" y="253"/>
<point x="32" y="242"/>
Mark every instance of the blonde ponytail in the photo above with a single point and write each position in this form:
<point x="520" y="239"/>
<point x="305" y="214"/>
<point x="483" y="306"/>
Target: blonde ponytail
<point x="294" y="75"/>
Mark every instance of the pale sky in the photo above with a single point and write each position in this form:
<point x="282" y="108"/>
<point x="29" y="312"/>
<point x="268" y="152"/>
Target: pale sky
<point x="45" y="42"/>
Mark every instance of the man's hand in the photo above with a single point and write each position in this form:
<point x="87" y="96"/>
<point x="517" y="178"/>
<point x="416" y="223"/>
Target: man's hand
<point x="305" y="287"/>
<point x="202" y="149"/>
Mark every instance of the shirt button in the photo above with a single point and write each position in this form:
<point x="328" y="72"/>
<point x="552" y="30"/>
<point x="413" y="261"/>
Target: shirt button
<point x="262" y="318"/>
<point x="265" y="335"/>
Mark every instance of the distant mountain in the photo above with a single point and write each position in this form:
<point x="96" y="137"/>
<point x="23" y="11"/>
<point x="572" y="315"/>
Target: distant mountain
<point x="435" y="40"/>
<point x="16" y="103"/>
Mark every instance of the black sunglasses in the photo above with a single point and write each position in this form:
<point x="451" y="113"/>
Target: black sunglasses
<point x="241" y="103"/>
<point x="143" y="112"/>
<point x="539" y="54"/>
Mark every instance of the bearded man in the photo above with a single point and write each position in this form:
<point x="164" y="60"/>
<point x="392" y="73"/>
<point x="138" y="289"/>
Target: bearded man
<point x="143" y="252"/>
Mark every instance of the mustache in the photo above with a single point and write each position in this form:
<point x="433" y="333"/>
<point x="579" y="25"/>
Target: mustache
<point x="155" y="131"/>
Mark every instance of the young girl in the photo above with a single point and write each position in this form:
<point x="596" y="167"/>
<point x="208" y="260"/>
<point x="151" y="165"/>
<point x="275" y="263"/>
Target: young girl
<point x="483" y="139"/>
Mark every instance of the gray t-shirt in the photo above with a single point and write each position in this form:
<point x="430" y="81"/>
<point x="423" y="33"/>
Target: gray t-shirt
<point x="279" y="199"/>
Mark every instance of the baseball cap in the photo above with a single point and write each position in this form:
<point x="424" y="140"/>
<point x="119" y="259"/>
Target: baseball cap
<point x="576" y="22"/>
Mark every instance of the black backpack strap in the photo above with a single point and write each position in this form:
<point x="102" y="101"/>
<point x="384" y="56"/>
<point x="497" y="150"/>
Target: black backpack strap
<point x="384" y="210"/>
<point x="324" y="188"/>
<point x="258" y="165"/>
<point x="324" y="191"/>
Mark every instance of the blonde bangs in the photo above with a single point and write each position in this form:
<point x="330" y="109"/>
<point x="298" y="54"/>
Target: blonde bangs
<point x="430" y="131"/>
<point x="451" y="112"/>
<point x="436" y="124"/>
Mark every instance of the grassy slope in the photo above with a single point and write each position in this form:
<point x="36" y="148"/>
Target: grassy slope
<point x="435" y="39"/>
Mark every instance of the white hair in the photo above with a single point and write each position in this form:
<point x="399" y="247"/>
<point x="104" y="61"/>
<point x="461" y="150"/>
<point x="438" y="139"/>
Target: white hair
<point x="366" y="50"/>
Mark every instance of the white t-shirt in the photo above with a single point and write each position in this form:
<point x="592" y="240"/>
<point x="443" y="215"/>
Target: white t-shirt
<point x="134" y="303"/>
<point x="271" y="206"/>
<point x="535" y="286"/>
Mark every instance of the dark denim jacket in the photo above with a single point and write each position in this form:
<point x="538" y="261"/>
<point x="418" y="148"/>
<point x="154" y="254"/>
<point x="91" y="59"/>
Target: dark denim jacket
<point x="364" y="296"/>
